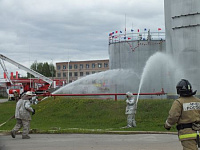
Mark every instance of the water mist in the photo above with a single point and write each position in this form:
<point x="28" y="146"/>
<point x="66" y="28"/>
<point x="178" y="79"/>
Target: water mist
<point x="108" y="81"/>
<point x="159" y="67"/>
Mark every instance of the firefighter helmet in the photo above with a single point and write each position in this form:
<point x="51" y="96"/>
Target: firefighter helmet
<point x="184" y="88"/>
<point x="129" y="94"/>
<point x="30" y="93"/>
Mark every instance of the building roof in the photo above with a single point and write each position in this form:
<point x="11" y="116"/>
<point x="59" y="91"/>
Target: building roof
<point x="84" y="61"/>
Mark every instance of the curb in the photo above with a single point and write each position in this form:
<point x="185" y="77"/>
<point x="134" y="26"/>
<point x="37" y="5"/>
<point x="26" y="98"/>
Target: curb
<point x="141" y="132"/>
<point x="6" y="132"/>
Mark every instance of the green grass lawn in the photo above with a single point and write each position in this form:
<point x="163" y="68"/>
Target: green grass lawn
<point x="72" y="114"/>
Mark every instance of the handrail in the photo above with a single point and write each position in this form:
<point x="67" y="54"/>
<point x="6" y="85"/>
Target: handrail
<point x="140" y="36"/>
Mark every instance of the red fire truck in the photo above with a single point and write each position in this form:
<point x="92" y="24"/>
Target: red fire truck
<point x="39" y="84"/>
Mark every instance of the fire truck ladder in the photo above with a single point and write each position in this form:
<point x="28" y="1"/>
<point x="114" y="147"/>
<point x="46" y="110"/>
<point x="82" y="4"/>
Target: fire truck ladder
<point x="36" y="74"/>
<point x="5" y="70"/>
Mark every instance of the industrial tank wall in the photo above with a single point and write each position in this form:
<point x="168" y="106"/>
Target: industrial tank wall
<point x="133" y="55"/>
<point x="182" y="20"/>
<point x="123" y="57"/>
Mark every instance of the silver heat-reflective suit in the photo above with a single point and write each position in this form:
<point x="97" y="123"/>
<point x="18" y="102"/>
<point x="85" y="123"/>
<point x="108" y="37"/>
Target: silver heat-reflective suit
<point x="23" y="116"/>
<point x="130" y="110"/>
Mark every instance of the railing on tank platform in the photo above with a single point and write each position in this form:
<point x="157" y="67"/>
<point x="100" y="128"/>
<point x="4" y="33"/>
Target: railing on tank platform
<point x="140" y="36"/>
<point x="102" y="94"/>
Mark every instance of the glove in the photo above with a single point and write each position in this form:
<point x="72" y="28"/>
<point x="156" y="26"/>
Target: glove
<point x="167" y="128"/>
<point x="33" y="112"/>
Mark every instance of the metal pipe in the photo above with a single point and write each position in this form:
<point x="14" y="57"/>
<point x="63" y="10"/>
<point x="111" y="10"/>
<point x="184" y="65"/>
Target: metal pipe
<point x="104" y="94"/>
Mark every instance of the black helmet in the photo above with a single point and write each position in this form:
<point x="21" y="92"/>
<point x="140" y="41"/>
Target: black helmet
<point x="184" y="88"/>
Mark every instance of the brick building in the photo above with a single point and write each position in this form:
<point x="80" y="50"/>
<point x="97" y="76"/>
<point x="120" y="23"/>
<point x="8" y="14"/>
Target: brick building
<point x="74" y="70"/>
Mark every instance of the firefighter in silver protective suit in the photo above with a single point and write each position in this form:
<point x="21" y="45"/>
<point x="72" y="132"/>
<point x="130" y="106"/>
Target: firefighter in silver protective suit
<point x="185" y="112"/>
<point x="130" y="110"/>
<point x="23" y="113"/>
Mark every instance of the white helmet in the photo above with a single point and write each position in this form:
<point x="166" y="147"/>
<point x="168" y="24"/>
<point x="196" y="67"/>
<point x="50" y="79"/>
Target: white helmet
<point x="129" y="94"/>
<point x="30" y="93"/>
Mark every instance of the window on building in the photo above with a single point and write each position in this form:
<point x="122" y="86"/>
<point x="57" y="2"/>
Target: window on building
<point x="64" y="66"/>
<point x="58" y="74"/>
<point x="93" y="72"/>
<point x="70" y="74"/>
<point x="64" y="74"/>
<point x="87" y="66"/>
<point x="81" y="74"/>
<point x="99" y="65"/>
<point x="75" y="66"/>
<point x="87" y="73"/>
<point x="105" y="65"/>
<point x="75" y="74"/>
<point x="93" y="65"/>
<point x="81" y="66"/>
<point x="58" y="67"/>
<point x="70" y="66"/>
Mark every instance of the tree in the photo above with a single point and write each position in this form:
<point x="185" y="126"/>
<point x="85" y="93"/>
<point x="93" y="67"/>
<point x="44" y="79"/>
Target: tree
<point x="53" y="70"/>
<point x="39" y="68"/>
<point x="43" y="68"/>
<point x="46" y="70"/>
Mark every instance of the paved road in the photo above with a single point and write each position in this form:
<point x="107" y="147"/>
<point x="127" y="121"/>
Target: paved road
<point x="3" y="100"/>
<point x="91" y="142"/>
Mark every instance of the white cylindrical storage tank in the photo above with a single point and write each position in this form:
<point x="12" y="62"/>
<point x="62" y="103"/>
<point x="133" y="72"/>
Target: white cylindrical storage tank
<point x="132" y="56"/>
<point x="182" y="20"/>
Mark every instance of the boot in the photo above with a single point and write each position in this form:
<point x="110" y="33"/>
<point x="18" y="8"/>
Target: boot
<point x="13" y="133"/>
<point x="128" y="126"/>
<point x="25" y="137"/>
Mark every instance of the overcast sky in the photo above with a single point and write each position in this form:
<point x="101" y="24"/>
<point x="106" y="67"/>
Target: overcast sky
<point x="62" y="30"/>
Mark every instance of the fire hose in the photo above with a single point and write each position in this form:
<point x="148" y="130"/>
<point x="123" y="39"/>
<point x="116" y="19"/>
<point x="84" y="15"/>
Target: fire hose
<point x="7" y="120"/>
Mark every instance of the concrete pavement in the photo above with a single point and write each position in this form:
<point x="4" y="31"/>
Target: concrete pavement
<point x="3" y="100"/>
<point x="91" y="142"/>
